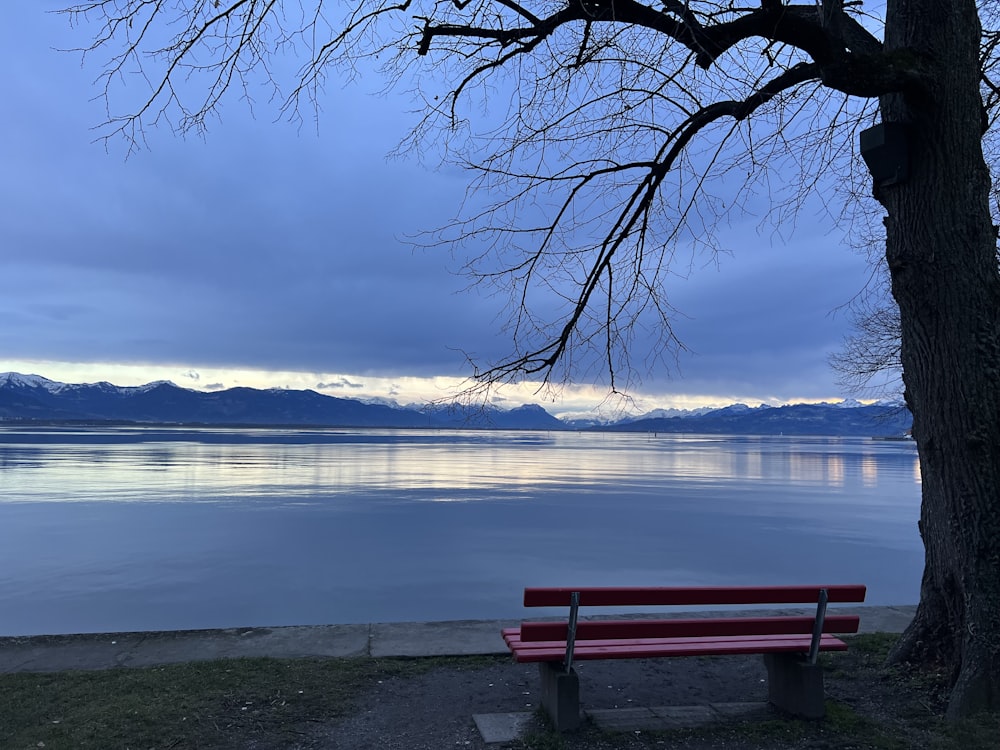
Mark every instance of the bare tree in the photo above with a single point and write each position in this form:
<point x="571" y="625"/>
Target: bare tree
<point x="628" y="130"/>
<point x="868" y="362"/>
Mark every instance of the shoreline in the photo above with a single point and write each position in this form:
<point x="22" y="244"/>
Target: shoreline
<point x="96" y="651"/>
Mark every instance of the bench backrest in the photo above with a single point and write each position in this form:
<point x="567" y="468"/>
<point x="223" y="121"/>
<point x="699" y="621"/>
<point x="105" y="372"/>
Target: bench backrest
<point x="724" y="626"/>
<point x="637" y="596"/>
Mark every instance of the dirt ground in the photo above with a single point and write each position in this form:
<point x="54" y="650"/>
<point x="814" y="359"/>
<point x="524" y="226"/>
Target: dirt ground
<point x="873" y="708"/>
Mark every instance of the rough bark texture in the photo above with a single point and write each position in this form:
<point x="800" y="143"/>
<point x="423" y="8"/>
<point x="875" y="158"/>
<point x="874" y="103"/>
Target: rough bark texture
<point x="942" y="255"/>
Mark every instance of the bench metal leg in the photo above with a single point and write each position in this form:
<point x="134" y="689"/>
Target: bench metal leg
<point x="560" y="695"/>
<point x="795" y="686"/>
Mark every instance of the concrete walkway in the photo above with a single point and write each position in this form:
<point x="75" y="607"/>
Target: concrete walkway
<point x="465" y="637"/>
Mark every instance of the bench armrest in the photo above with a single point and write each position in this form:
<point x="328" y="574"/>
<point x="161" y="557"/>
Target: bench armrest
<point x="818" y="625"/>
<point x="574" y="613"/>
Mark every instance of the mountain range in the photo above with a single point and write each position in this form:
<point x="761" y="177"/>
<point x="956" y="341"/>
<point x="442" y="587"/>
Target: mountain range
<point x="35" y="399"/>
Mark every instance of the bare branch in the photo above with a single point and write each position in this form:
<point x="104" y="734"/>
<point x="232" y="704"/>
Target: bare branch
<point x="632" y="128"/>
<point x="634" y="217"/>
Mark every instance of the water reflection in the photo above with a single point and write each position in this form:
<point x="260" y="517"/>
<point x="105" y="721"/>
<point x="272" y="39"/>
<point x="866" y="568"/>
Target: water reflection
<point x="193" y="465"/>
<point x="133" y="529"/>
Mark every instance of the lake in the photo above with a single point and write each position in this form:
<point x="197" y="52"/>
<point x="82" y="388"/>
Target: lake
<point x="121" y="529"/>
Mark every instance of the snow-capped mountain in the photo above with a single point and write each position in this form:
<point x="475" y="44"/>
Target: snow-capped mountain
<point x="33" y="398"/>
<point x="795" y="419"/>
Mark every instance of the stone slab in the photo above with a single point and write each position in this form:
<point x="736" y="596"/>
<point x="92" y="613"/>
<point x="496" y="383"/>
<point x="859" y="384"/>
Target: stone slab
<point x="885" y="619"/>
<point x="506" y="727"/>
<point x="107" y="650"/>
<point x="685" y="716"/>
<point x="659" y="718"/>
<point x="628" y="720"/>
<point x="739" y="710"/>
<point x="451" y="638"/>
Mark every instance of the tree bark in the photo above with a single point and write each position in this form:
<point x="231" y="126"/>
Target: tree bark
<point x="941" y="247"/>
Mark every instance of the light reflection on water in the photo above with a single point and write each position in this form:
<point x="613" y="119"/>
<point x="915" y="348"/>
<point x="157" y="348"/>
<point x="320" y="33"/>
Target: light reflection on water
<point x="128" y="529"/>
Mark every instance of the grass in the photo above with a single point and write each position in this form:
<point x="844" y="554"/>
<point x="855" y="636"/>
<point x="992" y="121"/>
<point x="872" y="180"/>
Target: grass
<point x="274" y="703"/>
<point x="980" y="731"/>
<point x="216" y="704"/>
<point x="908" y="714"/>
<point x="188" y="705"/>
<point x="842" y="729"/>
<point x="875" y="646"/>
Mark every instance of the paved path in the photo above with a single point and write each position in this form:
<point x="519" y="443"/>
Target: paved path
<point x="465" y="637"/>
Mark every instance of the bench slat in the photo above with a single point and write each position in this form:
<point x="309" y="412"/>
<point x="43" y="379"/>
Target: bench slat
<point x="638" y="596"/>
<point x="681" y="627"/>
<point x="650" y="648"/>
<point x="526" y="646"/>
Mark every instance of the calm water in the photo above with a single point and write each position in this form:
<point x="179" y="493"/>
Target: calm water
<point x="137" y="529"/>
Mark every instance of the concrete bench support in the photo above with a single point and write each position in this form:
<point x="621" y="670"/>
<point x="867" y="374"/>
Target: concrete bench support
<point x="560" y="695"/>
<point x="795" y="686"/>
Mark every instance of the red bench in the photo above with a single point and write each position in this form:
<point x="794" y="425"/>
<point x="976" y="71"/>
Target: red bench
<point x="790" y="644"/>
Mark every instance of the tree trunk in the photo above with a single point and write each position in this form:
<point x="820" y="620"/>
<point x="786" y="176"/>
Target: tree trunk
<point x="941" y="247"/>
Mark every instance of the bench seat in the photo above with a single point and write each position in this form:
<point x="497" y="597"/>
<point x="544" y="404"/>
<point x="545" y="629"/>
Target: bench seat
<point x="645" y="648"/>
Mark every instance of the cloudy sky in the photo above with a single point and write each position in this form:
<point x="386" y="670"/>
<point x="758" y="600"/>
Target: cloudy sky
<point x="275" y="256"/>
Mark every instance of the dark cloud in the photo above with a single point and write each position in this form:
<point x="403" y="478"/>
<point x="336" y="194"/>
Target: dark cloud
<point x="266" y="247"/>
<point x="340" y="383"/>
